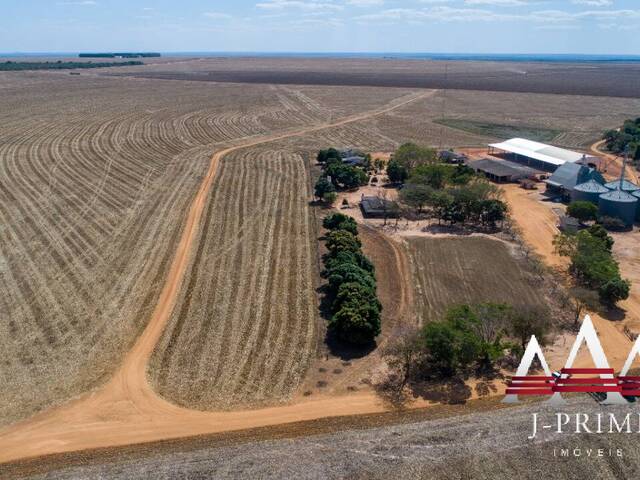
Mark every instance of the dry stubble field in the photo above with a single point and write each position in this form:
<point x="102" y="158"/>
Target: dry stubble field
<point x="451" y="270"/>
<point x="96" y="174"/>
<point x="243" y="331"/>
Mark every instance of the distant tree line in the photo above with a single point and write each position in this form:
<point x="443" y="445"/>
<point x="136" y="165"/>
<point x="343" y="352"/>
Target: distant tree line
<point x="119" y="55"/>
<point x="351" y="284"/>
<point x="592" y="263"/>
<point x="451" y="193"/>
<point x="60" y="65"/>
<point x="628" y="136"/>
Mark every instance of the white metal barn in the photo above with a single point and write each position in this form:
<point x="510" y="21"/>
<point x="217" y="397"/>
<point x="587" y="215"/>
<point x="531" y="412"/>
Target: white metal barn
<point x="539" y="155"/>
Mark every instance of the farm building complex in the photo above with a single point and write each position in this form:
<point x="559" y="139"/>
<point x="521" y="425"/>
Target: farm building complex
<point x="538" y="155"/>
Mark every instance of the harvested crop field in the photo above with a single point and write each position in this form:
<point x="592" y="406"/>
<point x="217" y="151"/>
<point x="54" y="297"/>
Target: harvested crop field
<point x="244" y="329"/>
<point x="612" y="80"/>
<point x="451" y="270"/>
<point x="96" y="175"/>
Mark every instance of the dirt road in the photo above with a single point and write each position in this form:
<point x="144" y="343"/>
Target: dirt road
<point x="613" y="162"/>
<point x="126" y="410"/>
<point x="538" y="223"/>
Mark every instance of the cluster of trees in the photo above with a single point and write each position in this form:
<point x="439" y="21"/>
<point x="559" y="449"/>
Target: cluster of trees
<point x="351" y="287"/>
<point x="628" y="136"/>
<point x="592" y="263"/>
<point x="468" y="339"/>
<point x="408" y="157"/>
<point x="338" y="175"/>
<point x="454" y="194"/>
<point x="60" y="65"/>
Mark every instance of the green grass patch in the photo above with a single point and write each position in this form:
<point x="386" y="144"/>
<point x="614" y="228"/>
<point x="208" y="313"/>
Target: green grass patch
<point x="499" y="130"/>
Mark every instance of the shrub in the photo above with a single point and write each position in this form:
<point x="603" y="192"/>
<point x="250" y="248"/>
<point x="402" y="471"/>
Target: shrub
<point x="583" y="211"/>
<point x="330" y="198"/>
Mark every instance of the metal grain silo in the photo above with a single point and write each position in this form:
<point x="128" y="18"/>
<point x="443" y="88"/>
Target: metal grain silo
<point x="637" y="195"/>
<point x="619" y="204"/>
<point x="588" y="192"/>
<point x="626" y="186"/>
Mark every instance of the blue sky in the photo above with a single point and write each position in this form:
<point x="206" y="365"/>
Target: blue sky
<point x="449" y="26"/>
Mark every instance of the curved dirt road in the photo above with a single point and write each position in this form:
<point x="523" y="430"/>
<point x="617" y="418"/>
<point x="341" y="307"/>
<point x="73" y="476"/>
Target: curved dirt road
<point x="126" y="410"/>
<point x="612" y="161"/>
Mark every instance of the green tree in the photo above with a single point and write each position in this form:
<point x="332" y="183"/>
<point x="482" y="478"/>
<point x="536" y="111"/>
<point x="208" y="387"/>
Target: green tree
<point x="340" y="221"/>
<point x="349" y="273"/>
<point x="583" y="211"/>
<point x="416" y="196"/>
<point x="614" y="291"/>
<point x="528" y="321"/>
<point x="356" y="317"/>
<point x="325" y="155"/>
<point x="342" y="241"/>
<point x="433" y="175"/>
<point x="348" y="256"/>
<point x="330" y="198"/>
<point x="493" y="211"/>
<point x="322" y="187"/>
<point x="410" y="155"/>
<point x="396" y="172"/>
<point x="600" y="232"/>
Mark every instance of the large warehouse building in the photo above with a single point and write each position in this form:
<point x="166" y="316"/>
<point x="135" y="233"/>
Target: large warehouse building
<point x="539" y="155"/>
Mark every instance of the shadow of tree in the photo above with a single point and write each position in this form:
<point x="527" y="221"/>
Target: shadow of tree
<point x="452" y="391"/>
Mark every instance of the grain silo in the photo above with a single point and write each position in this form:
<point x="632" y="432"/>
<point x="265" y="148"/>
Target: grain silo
<point x="625" y="186"/>
<point x="588" y="192"/>
<point x="619" y="204"/>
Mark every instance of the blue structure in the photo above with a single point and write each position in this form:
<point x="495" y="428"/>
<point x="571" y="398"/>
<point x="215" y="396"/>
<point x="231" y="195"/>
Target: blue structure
<point x="588" y="192"/>
<point x="619" y="204"/>
<point x="625" y="186"/>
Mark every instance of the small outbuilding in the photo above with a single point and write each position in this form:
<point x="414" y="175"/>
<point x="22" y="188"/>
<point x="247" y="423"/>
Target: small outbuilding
<point x="376" y="207"/>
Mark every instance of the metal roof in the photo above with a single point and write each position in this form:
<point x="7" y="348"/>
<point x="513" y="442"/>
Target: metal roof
<point x="626" y="186"/>
<point x="539" y="151"/>
<point x="619" y="196"/>
<point x="502" y="168"/>
<point x="571" y="174"/>
<point x="591" y="187"/>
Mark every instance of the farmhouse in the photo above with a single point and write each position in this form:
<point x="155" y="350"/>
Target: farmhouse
<point x="354" y="161"/>
<point x="538" y="155"/>
<point x="376" y="207"/>
<point x="449" y="156"/>
<point x="503" y="171"/>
